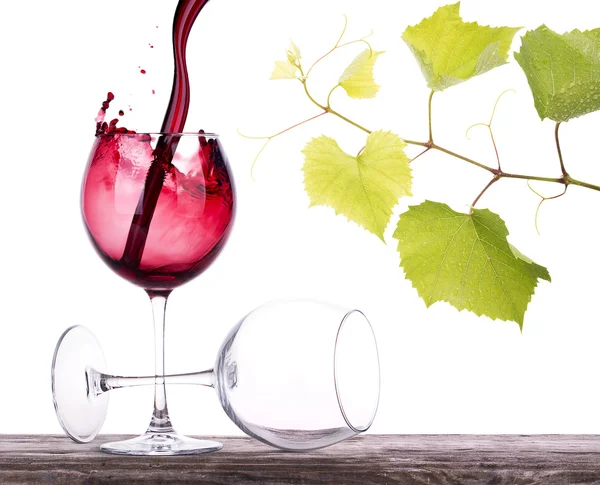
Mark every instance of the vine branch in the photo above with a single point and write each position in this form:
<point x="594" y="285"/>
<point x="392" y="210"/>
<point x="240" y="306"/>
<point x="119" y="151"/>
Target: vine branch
<point x="429" y="145"/>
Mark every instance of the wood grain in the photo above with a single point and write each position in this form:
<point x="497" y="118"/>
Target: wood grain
<point x="364" y="460"/>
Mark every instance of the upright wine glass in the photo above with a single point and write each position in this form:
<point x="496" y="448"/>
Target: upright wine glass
<point x="158" y="209"/>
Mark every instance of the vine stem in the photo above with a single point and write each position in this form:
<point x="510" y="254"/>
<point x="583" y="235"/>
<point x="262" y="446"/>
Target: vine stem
<point x="560" y="157"/>
<point x="564" y="180"/>
<point x="339" y="46"/>
<point x="348" y="120"/>
<point x="269" y="138"/>
<point x="332" y="49"/>
<point x="420" y="154"/>
<point x="491" y="182"/>
<point x="495" y="146"/>
<point x="573" y="181"/>
<point x="429" y="116"/>
<point x="543" y="199"/>
<point x="329" y="95"/>
<point x="489" y="125"/>
<point x="330" y="110"/>
<point x="457" y="155"/>
<point x="283" y="131"/>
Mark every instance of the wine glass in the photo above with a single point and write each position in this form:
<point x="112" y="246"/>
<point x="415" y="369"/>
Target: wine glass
<point x="295" y="374"/>
<point x="158" y="208"/>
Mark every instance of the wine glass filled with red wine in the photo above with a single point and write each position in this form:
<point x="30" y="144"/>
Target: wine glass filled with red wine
<point x="158" y="209"/>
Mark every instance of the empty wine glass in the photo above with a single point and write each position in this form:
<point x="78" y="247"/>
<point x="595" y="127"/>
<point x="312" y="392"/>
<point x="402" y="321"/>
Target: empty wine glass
<point x="295" y="374"/>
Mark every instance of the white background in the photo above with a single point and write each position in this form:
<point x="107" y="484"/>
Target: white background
<point x="443" y="371"/>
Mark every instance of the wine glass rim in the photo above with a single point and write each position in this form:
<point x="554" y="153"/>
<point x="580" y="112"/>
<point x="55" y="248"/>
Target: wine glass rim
<point x="360" y="429"/>
<point x="157" y="133"/>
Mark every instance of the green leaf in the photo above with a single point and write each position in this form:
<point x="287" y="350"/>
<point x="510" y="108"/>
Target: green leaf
<point x="451" y="51"/>
<point x="285" y="70"/>
<point x="563" y="71"/>
<point x="466" y="261"/>
<point x="536" y="270"/>
<point x="358" y="79"/>
<point x="363" y="188"/>
<point x="293" y="54"/>
<point x="290" y="68"/>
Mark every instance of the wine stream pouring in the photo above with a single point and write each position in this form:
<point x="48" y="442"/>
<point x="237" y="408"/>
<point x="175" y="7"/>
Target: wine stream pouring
<point x="174" y="122"/>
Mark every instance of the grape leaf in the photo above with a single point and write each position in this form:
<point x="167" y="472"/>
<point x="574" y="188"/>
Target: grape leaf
<point x="536" y="270"/>
<point x="290" y="68"/>
<point x="285" y="70"/>
<point x="363" y="188"/>
<point x="358" y="79"/>
<point x="451" y="51"/>
<point x="466" y="260"/>
<point x="563" y="71"/>
<point x="293" y="54"/>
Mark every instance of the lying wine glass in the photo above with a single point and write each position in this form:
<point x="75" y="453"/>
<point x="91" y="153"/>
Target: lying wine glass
<point x="295" y="374"/>
<point x="158" y="209"/>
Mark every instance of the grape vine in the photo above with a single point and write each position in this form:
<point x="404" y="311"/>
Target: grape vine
<point x="463" y="259"/>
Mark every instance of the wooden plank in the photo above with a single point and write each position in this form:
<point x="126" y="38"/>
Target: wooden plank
<point x="364" y="460"/>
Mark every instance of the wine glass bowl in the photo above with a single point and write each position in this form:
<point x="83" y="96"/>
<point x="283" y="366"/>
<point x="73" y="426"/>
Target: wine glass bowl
<point x="300" y="375"/>
<point x="193" y="214"/>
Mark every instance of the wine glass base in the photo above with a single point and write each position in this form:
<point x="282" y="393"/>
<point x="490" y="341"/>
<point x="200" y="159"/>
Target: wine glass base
<point x="80" y="414"/>
<point x="163" y="444"/>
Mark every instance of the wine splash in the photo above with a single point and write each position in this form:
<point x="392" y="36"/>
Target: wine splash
<point x="102" y="127"/>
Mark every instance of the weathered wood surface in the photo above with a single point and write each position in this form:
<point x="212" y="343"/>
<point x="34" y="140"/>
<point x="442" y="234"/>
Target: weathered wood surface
<point x="365" y="460"/>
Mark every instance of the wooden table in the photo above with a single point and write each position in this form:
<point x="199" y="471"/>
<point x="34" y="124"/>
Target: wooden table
<point x="364" y="460"/>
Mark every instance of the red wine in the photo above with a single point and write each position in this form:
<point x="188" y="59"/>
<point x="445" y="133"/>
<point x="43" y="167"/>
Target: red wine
<point x="193" y="213"/>
<point x="174" y="122"/>
<point x="133" y="262"/>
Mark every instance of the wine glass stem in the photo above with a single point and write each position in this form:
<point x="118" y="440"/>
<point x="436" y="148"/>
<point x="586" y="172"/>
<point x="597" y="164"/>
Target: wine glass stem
<point x="99" y="383"/>
<point x="160" y="422"/>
